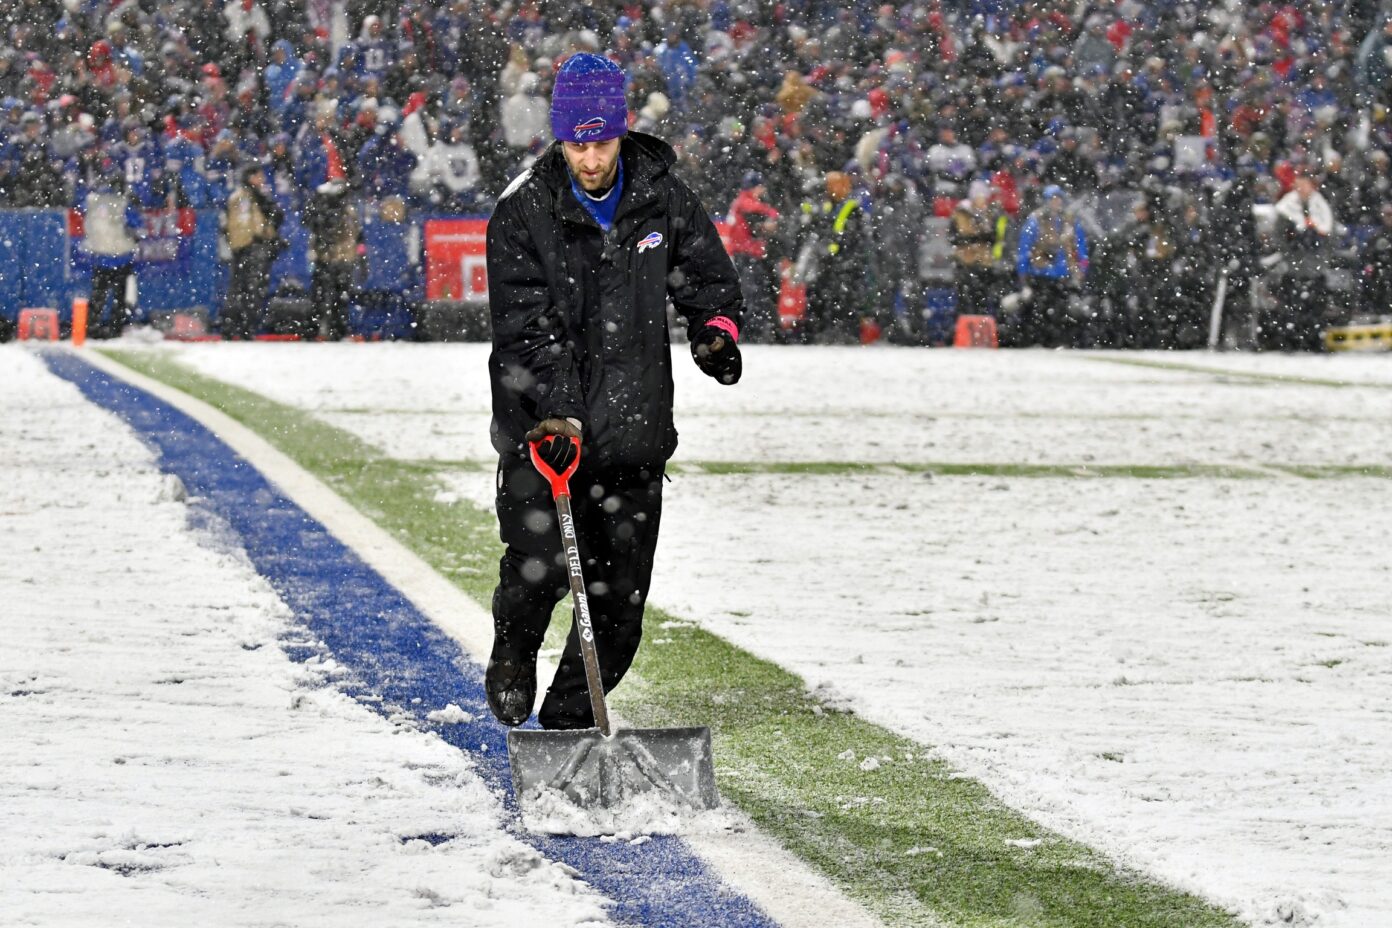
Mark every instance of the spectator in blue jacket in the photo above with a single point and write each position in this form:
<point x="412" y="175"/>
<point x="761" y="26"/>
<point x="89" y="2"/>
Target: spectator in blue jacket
<point x="140" y="161"/>
<point x="298" y="110"/>
<point x="183" y="168"/>
<point x="1051" y="260"/>
<point x="280" y="75"/>
<point x="220" y="169"/>
<point x="1373" y="63"/>
<point x="385" y="165"/>
<point x="280" y="171"/>
<point x="376" y="53"/>
<point x="123" y="52"/>
<point x="678" y="65"/>
<point x="320" y="154"/>
<point x="451" y="31"/>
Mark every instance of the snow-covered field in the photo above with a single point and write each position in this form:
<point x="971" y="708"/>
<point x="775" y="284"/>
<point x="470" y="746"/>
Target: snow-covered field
<point x="163" y="763"/>
<point x="1190" y="674"/>
<point x="830" y="404"/>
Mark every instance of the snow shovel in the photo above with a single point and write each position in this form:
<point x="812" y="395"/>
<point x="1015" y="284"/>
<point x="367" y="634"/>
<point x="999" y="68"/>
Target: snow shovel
<point x="600" y="767"/>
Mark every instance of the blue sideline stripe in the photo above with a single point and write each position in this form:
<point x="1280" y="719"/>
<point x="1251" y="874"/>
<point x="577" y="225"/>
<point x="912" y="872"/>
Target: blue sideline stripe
<point x="401" y="663"/>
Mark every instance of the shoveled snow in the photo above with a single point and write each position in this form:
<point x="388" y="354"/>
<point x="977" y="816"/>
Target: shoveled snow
<point x="164" y="764"/>
<point x="551" y="811"/>
<point x="1189" y="674"/>
<point x="449" y="715"/>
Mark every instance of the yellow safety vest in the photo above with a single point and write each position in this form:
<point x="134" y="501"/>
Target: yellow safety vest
<point x="838" y="225"/>
<point x="843" y="216"/>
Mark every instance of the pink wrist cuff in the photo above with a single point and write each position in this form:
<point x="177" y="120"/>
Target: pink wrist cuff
<point x="726" y="325"/>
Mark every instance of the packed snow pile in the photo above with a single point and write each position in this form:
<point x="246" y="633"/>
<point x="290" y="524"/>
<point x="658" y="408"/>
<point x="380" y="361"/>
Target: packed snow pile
<point x="553" y="812"/>
<point x="449" y="715"/>
<point x="635" y="781"/>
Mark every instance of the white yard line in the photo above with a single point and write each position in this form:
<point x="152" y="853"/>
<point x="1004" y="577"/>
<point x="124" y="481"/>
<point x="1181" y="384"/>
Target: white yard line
<point x="753" y="863"/>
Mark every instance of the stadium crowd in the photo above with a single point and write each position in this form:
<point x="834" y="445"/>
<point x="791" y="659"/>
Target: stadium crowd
<point x="1084" y="171"/>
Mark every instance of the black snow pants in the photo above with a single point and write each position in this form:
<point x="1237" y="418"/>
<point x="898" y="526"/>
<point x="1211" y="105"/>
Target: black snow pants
<point x="760" y="300"/>
<point x="1044" y="319"/>
<point x="331" y="288"/>
<point x="616" y="518"/>
<point x="109" y="282"/>
<point x="247" y="287"/>
<point x="1294" y="323"/>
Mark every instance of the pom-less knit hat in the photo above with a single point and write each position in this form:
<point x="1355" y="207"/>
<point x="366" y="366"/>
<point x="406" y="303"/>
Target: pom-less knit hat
<point x="588" y="102"/>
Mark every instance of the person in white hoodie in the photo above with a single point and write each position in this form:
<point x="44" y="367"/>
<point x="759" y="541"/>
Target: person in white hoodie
<point x="418" y="133"/>
<point x="1305" y="209"/>
<point x="453" y="168"/>
<point x="525" y="115"/>
<point x="111" y="226"/>
<point x="1305" y="229"/>
<point x="246" y="16"/>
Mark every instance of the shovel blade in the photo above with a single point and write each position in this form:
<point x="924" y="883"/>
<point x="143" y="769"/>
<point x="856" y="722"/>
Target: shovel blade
<point x="593" y="771"/>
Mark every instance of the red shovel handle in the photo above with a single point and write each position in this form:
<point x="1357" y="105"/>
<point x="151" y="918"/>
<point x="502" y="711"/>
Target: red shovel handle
<point x="560" y="483"/>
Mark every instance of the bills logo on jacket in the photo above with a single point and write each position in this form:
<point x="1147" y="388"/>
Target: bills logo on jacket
<point x="651" y="240"/>
<point x="589" y="127"/>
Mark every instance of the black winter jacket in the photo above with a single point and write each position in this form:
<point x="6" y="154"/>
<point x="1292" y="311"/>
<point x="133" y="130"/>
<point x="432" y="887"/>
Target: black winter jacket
<point x="579" y="316"/>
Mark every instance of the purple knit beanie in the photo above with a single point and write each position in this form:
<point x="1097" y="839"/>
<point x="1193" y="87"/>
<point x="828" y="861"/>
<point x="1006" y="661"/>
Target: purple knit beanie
<point x="588" y="102"/>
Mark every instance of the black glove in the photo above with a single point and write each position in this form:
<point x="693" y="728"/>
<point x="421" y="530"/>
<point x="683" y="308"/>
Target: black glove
<point x="716" y="352"/>
<point x="556" y="449"/>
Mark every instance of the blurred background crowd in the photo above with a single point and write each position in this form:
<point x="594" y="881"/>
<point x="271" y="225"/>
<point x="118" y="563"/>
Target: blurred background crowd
<point x="1088" y="173"/>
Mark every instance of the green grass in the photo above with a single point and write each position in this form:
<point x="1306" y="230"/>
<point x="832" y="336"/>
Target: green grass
<point x="911" y="839"/>
<point x="1226" y="372"/>
<point x="915" y="843"/>
<point x="1335" y="471"/>
<point x="946" y="469"/>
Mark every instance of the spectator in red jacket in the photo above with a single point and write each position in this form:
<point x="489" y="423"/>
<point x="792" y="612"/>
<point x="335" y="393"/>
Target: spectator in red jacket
<point x="751" y="223"/>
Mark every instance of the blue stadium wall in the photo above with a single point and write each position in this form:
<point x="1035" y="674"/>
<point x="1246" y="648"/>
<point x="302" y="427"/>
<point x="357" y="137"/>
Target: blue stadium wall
<point x="38" y="267"/>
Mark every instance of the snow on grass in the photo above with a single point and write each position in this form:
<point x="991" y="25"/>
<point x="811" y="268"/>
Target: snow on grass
<point x="1353" y="368"/>
<point x="1184" y="673"/>
<point x="768" y="729"/>
<point x="164" y="763"/>
<point x="847" y="404"/>
<point x="1189" y="675"/>
<point x="402" y="498"/>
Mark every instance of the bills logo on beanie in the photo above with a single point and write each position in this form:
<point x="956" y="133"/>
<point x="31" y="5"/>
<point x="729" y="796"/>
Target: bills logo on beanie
<point x="590" y="128"/>
<point x="588" y="103"/>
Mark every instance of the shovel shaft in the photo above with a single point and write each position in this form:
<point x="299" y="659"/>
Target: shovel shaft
<point x="583" y="627"/>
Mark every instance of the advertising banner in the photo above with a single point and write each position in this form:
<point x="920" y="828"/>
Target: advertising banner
<point x="456" y="265"/>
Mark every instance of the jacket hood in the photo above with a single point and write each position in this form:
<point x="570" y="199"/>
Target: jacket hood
<point x="645" y="157"/>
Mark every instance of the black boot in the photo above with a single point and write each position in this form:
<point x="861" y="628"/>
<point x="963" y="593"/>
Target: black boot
<point x="510" y="684"/>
